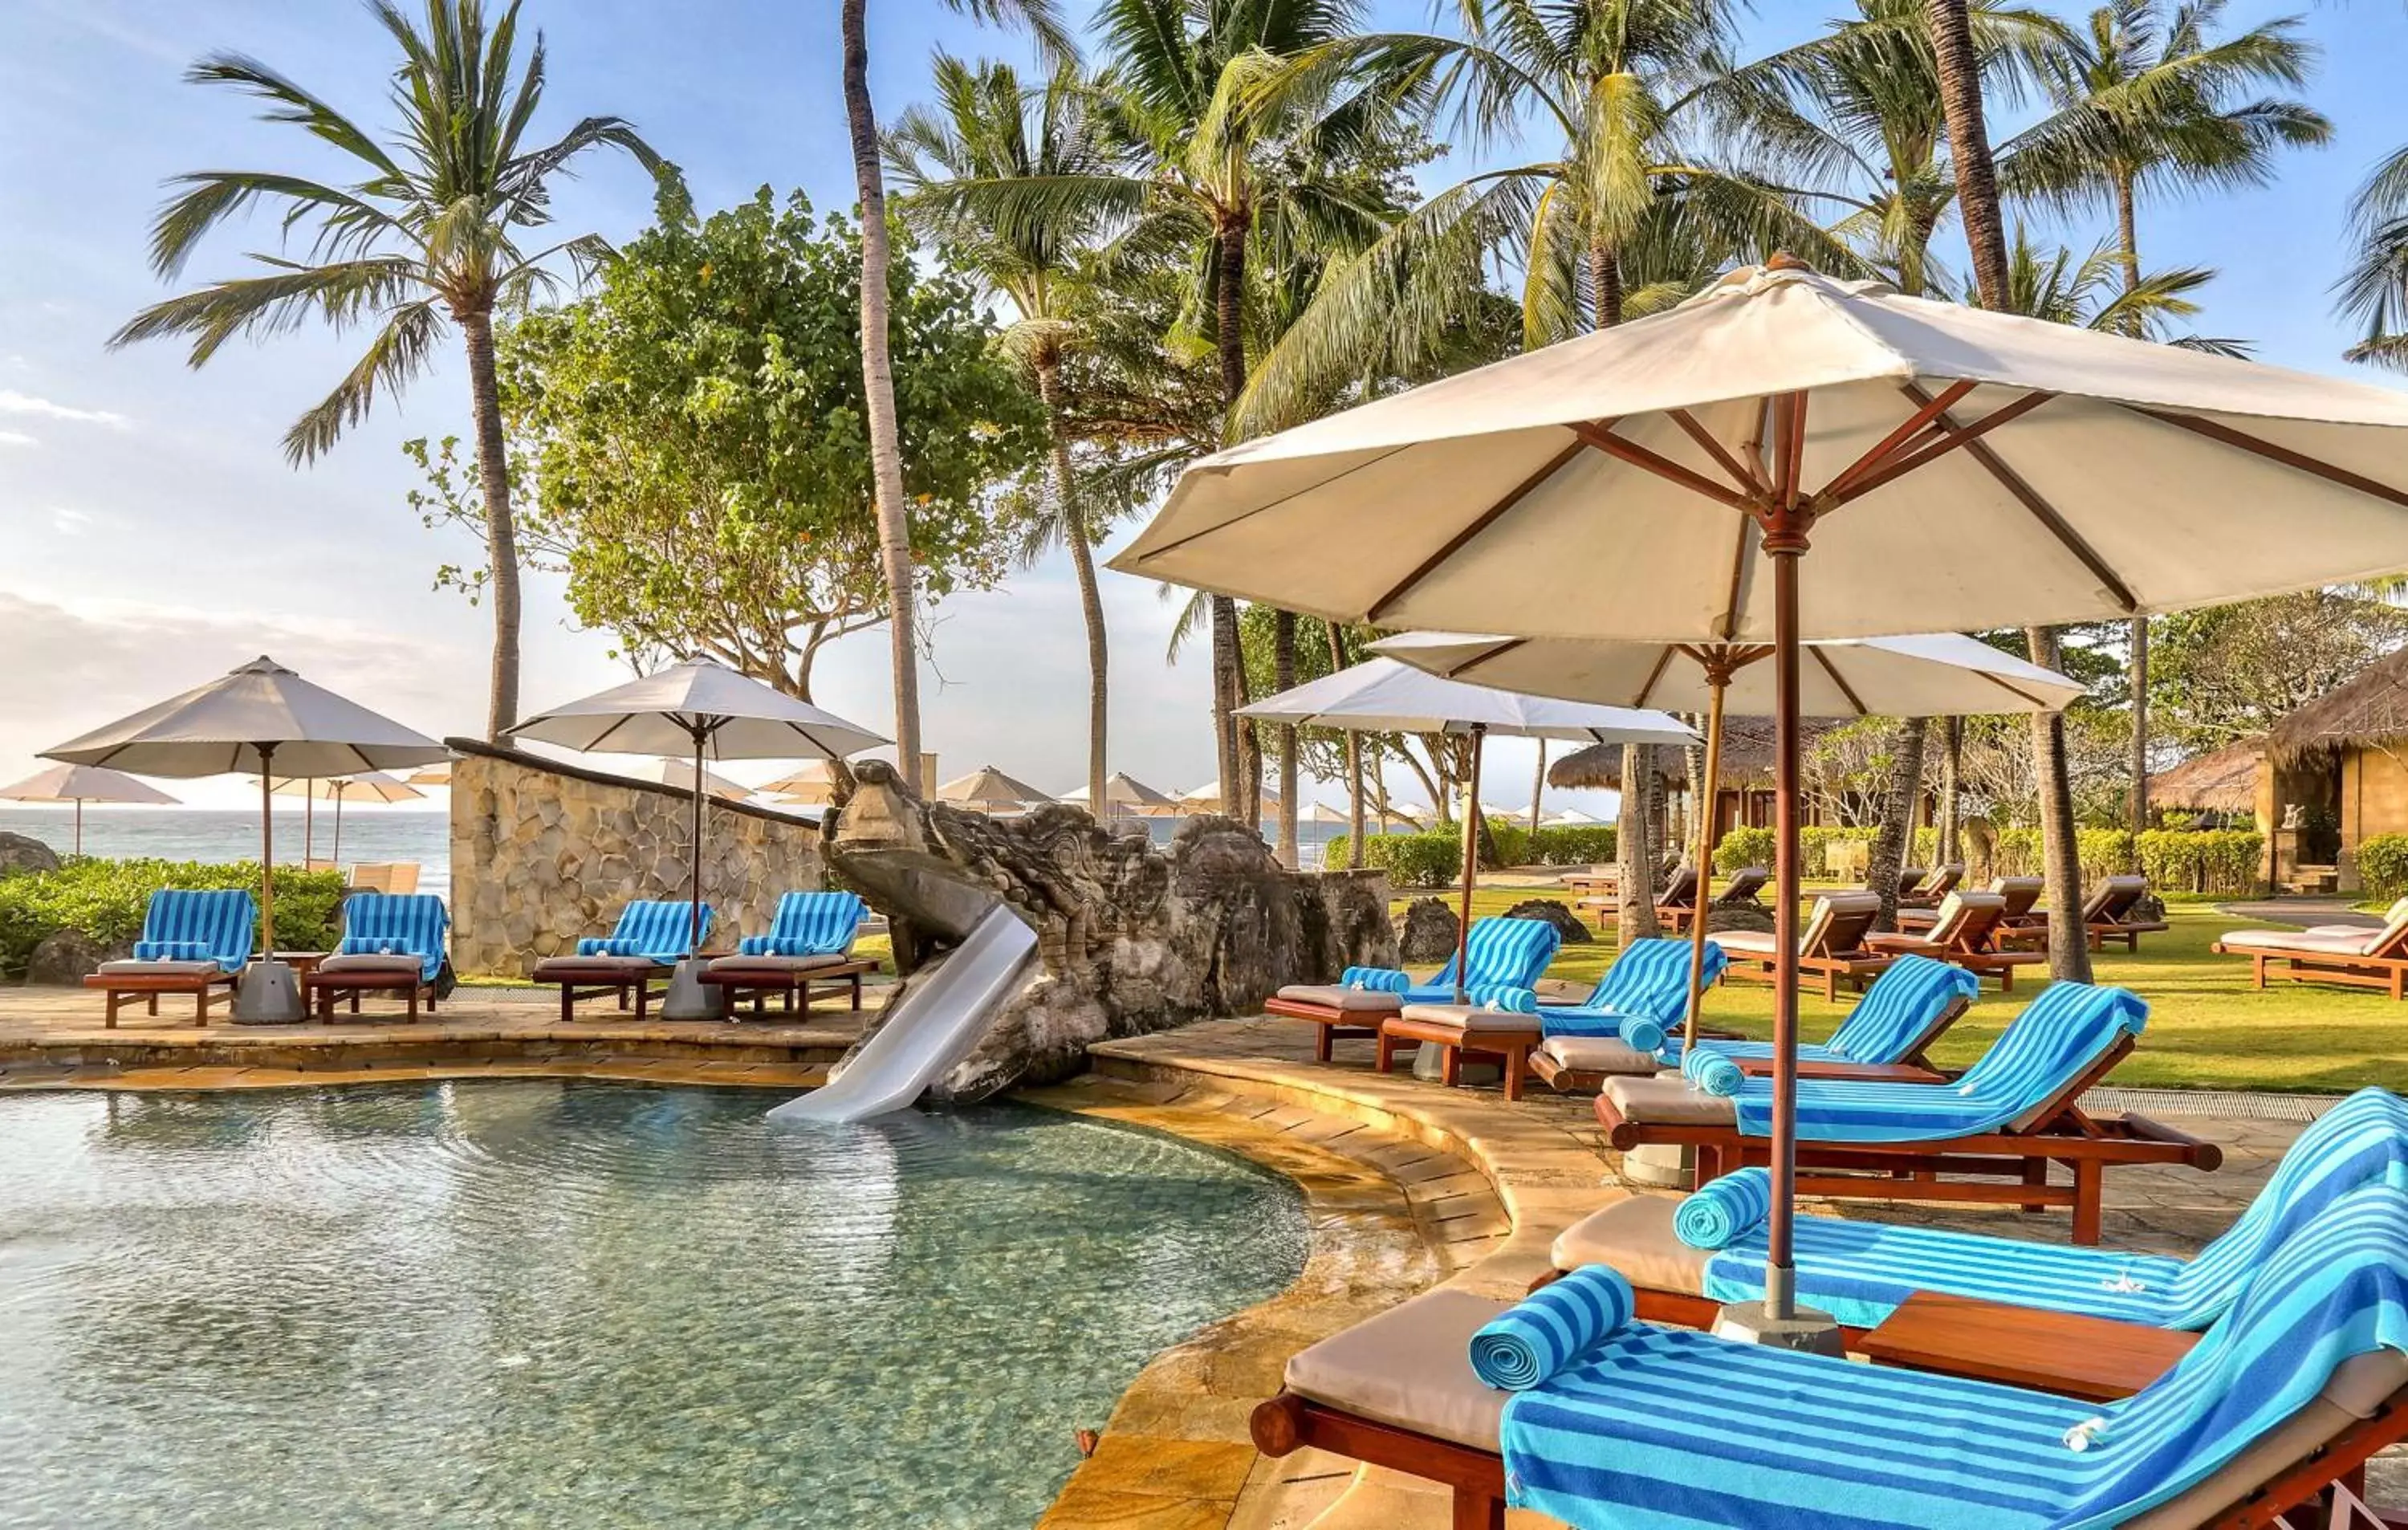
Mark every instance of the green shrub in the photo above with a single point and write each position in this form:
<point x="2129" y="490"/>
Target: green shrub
<point x="2383" y="864"/>
<point x="1743" y="847"/>
<point x="1573" y="844"/>
<point x="1435" y="857"/>
<point x="107" y="899"/>
<point x="1430" y="859"/>
<point x="1512" y="842"/>
<point x="2208" y="860"/>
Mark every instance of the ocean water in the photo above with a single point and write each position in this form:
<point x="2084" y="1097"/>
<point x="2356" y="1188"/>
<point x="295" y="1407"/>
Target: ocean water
<point x="215" y="834"/>
<point x="543" y="1303"/>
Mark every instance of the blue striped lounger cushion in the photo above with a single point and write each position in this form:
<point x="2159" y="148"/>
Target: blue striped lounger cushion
<point x="2058" y="1039"/>
<point x="1860" y="1271"/>
<point x="1505" y="954"/>
<point x="1896" y="1013"/>
<point x="184" y="925"/>
<point x="654" y="929"/>
<point x="1662" y="1429"/>
<point x="396" y="925"/>
<point x="1649" y="981"/>
<point x="809" y="924"/>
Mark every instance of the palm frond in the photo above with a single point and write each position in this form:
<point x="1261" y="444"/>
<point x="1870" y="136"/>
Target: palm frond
<point x="396" y="357"/>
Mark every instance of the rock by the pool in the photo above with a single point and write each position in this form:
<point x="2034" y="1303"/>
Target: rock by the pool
<point x="1425" y="932"/>
<point x="68" y="957"/>
<point x="1548" y="910"/>
<point x="1738" y="916"/>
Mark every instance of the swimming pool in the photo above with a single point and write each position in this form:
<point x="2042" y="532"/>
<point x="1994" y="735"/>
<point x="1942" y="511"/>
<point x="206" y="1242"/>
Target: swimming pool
<point x="554" y="1303"/>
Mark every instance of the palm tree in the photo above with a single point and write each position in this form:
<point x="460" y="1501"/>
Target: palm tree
<point x="1977" y="204"/>
<point x="987" y="125"/>
<point x="1621" y="219"/>
<point x="877" y="359"/>
<point x="2373" y="292"/>
<point x="430" y="232"/>
<point x="2148" y="98"/>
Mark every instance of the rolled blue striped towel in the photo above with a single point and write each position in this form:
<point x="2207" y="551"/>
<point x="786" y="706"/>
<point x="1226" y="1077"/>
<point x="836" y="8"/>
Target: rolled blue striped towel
<point x="1503" y="997"/>
<point x="1642" y="1034"/>
<point x="1713" y="1073"/>
<point x="1722" y="1209"/>
<point x="174" y="950"/>
<point x="1552" y="1327"/>
<point x="1375" y="980"/>
<point x="372" y="945"/>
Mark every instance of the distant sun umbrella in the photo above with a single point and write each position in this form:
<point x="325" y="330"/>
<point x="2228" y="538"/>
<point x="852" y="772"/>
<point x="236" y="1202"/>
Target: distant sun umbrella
<point x="259" y="720"/>
<point x="679" y="774"/>
<point x="709" y="709"/>
<point x="372" y="787"/>
<point x="1125" y="796"/>
<point x="812" y="786"/>
<point x="80" y="785"/>
<point x="988" y="789"/>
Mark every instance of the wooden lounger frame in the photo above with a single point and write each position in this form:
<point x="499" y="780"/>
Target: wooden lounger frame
<point x="2328" y="1487"/>
<point x="1332" y="1023"/>
<point x="638" y="984"/>
<point x="321" y="990"/>
<point x="2389" y="974"/>
<point x="1509" y="1049"/>
<point x="119" y="989"/>
<point x="1910" y="1171"/>
<point x="1858" y="967"/>
<point x="1574" y="1081"/>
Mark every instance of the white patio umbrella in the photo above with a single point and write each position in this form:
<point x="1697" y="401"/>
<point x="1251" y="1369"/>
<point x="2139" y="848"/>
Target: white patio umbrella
<point x="679" y="774"/>
<point x="259" y="720"/>
<point x="987" y="788"/>
<point x="1317" y="812"/>
<point x="1663" y="480"/>
<point x="1938" y="674"/>
<point x="1570" y="818"/>
<point x="372" y="787"/>
<point x="812" y="785"/>
<point x="704" y="708"/>
<point x="80" y="785"/>
<point x="1385" y="695"/>
<point x="1207" y="799"/>
<point x="434" y="775"/>
<point x="1125" y="796"/>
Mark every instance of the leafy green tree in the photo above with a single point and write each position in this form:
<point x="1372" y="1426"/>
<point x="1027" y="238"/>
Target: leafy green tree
<point x="430" y="232"/>
<point x="894" y="535"/>
<point x="697" y="430"/>
<point x="2231" y="671"/>
<point x="987" y="124"/>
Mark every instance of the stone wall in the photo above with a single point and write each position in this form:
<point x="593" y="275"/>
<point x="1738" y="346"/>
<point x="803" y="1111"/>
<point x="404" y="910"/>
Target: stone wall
<point x="543" y="852"/>
<point x="1132" y="938"/>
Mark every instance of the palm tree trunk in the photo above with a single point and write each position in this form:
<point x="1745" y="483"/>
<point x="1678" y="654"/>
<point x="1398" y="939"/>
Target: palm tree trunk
<point x="1083" y="565"/>
<point x="1538" y="789"/>
<point x="1605" y="284"/>
<point x="1634" y="911"/>
<point x="2128" y="230"/>
<point x="1894" y="843"/>
<point x="1283" y="674"/>
<point x="878" y="385"/>
<point x="501" y="525"/>
<point x="1355" y="826"/>
<point x="1229" y="309"/>
<point x="1977" y="204"/>
<point x="1969" y="147"/>
<point x="1952" y="761"/>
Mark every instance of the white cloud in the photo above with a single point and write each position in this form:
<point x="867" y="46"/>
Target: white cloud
<point x="13" y="402"/>
<point x="67" y="522"/>
<point x="17" y="438"/>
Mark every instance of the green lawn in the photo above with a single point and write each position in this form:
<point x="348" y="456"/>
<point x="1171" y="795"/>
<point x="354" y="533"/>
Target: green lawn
<point x="2208" y="1029"/>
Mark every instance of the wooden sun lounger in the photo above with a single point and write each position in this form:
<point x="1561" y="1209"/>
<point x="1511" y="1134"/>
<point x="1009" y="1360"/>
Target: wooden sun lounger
<point x="793" y="978"/>
<point x="2021" y="892"/>
<point x="1460" y="1031"/>
<point x="201" y="980"/>
<point x="581" y="978"/>
<point x="1928" y="896"/>
<point x="2347" y="957"/>
<point x="2323" y="1486"/>
<point x="351" y="977"/>
<point x="2061" y="1131"/>
<point x="1964" y="936"/>
<point x="2106" y="918"/>
<point x="1832" y="949"/>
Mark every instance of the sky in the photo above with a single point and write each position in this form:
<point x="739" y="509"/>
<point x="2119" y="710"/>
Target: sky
<point x="153" y="536"/>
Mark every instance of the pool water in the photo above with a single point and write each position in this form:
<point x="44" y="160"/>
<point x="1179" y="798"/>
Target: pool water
<point x="562" y="1304"/>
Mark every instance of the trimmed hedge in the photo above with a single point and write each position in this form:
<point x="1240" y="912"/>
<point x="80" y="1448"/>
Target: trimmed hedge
<point x="1434" y="858"/>
<point x="107" y="899"/>
<point x="2174" y="860"/>
<point x="2203" y="860"/>
<point x="1743" y="847"/>
<point x="2383" y="864"/>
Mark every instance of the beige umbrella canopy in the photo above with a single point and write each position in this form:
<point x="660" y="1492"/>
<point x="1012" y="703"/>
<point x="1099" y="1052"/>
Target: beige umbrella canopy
<point x="261" y="719"/>
<point x="1316" y="812"/>
<point x="988" y="788"/>
<point x="434" y="775"/>
<point x="811" y="786"/>
<point x="373" y="787"/>
<point x="80" y="785"/>
<point x="679" y="774"/>
<point x="1207" y="799"/>
<point x="1665" y="480"/>
<point x="1127" y="797"/>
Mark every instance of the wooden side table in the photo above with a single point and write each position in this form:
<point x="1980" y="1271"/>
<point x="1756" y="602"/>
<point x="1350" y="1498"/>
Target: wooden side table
<point x="2096" y="1359"/>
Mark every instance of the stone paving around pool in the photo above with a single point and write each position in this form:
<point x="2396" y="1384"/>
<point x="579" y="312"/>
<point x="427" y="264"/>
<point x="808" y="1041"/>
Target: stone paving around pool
<point x="1547" y="1163"/>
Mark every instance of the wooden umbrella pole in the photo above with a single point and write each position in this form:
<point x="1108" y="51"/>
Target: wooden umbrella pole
<point x="266" y="853"/>
<point x="694" y="906"/>
<point x="1718" y="681"/>
<point x="1470" y="866"/>
<point x="309" y="826"/>
<point x="79" y="829"/>
<point x="1784" y="542"/>
<point x="334" y="853"/>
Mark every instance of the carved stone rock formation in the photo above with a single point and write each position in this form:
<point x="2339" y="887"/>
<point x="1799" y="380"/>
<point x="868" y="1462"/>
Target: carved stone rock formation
<point x="1567" y="923"/>
<point x="69" y="956"/>
<point x="23" y="852"/>
<point x="1131" y="939"/>
<point x="1425" y="932"/>
<point x="1738" y="916"/>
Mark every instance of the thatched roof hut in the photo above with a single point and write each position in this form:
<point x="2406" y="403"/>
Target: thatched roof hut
<point x="2225" y="781"/>
<point x="1747" y="757"/>
<point x="2370" y="710"/>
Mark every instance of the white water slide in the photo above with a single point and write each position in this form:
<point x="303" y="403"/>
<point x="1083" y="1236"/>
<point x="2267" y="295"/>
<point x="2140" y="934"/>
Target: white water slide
<point x="932" y="1027"/>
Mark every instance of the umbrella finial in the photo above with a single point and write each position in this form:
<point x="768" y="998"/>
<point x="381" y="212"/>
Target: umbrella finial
<point x="1781" y="260"/>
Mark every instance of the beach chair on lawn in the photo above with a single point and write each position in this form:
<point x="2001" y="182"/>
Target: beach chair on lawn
<point x="2021" y="892"/>
<point x="1831" y="948"/>
<point x="1966" y="936"/>
<point x="1901" y="1016"/>
<point x="2343" y="954"/>
<point x="1504" y="953"/>
<point x="390" y="944"/>
<point x="810" y="941"/>
<point x="1946" y="879"/>
<point x="192" y="942"/>
<point x="1678" y="903"/>
<point x="2106" y="916"/>
<point x="651" y="938"/>
<point x="1627" y="1023"/>
<point x="1688" y="1258"/>
<point x="1910" y="882"/>
<point x="2268" y="1421"/>
<point x="1993" y="1133"/>
<point x="1744" y="885"/>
